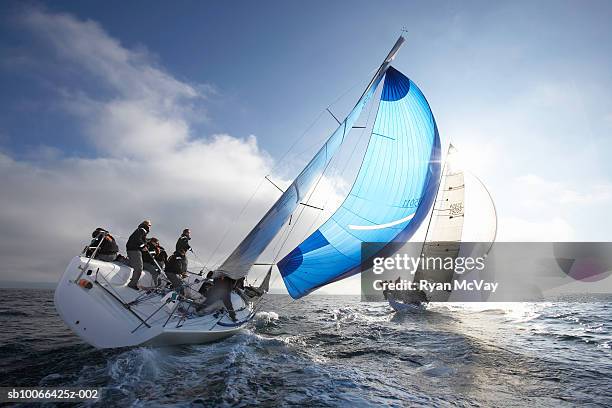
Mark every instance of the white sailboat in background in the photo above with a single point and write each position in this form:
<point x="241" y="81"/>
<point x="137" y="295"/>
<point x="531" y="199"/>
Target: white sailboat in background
<point x="92" y="297"/>
<point x="445" y="233"/>
<point x="442" y="238"/>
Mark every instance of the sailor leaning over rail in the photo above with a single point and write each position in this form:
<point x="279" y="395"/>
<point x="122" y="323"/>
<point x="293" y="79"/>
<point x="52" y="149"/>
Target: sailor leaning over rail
<point x="219" y="295"/>
<point x="135" y="245"/>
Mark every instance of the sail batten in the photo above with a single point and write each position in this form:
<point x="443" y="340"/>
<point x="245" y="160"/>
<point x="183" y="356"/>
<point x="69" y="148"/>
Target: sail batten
<point x="238" y="264"/>
<point x="391" y="196"/>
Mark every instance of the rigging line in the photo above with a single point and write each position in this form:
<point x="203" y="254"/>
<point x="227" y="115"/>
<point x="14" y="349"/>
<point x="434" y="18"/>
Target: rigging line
<point x="318" y="141"/>
<point x="280" y="238"/>
<point x="347" y="162"/>
<point x="274" y="184"/>
<point x="371" y="73"/>
<point x="333" y="116"/>
<point x="118" y="298"/>
<point x="342" y="95"/>
<point x="312" y="206"/>
<point x="231" y="225"/>
<point x="309" y="197"/>
<point x="303" y="207"/>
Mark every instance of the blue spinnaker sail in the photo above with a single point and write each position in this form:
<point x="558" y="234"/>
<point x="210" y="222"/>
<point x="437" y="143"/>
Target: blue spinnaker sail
<point x="394" y="189"/>
<point x="242" y="258"/>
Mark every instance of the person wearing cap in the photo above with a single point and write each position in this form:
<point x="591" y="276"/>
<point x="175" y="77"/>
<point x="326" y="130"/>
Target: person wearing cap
<point x="136" y="244"/>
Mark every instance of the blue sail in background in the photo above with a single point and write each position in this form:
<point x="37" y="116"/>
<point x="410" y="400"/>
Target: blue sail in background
<point x="391" y="196"/>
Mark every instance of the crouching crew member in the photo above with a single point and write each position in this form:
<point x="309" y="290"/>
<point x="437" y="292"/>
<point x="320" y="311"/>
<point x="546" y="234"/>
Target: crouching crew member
<point x="108" y="248"/>
<point x="136" y="244"/>
<point x="221" y="292"/>
<point x="175" y="270"/>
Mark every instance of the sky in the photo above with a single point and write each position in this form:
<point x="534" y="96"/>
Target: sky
<point x="113" y="112"/>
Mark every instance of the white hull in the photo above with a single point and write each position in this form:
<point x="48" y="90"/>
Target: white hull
<point x="400" y="307"/>
<point x="99" y="316"/>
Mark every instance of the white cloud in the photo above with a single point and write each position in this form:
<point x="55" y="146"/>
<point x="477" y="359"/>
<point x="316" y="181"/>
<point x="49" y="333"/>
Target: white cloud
<point x="84" y="47"/>
<point x="538" y="209"/>
<point x="514" y="229"/>
<point x="541" y="193"/>
<point x="149" y="163"/>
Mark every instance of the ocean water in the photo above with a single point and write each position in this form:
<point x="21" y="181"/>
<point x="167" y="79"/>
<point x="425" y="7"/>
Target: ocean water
<point x="333" y="351"/>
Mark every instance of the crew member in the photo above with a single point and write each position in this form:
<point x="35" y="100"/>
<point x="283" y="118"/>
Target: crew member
<point x="175" y="270"/>
<point x="106" y="244"/>
<point x="161" y="257"/>
<point x="183" y="241"/>
<point x="207" y="284"/>
<point x="149" y="259"/>
<point x="221" y="291"/>
<point x="136" y="244"/>
<point x="182" y="244"/>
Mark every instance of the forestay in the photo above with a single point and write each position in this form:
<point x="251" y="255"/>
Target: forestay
<point x="391" y="196"/>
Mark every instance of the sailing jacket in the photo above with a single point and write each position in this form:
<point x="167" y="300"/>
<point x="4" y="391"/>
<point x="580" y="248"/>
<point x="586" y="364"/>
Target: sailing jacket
<point x="138" y="239"/>
<point x="183" y="243"/>
<point x="148" y="254"/>
<point x="108" y="246"/>
<point x="176" y="264"/>
<point x="161" y="257"/>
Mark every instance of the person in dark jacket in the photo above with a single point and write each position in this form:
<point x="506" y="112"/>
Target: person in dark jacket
<point x="149" y="259"/>
<point x="136" y="244"/>
<point x="161" y="257"/>
<point x="183" y="241"/>
<point x="108" y="248"/>
<point x="175" y="270"/>
<point x="182" y="244"/>
<point x="206" y="284"/>
<point x="221" y="291"/>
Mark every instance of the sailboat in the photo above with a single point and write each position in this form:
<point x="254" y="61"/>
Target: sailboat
<point x="442" y="238"/>
<point x="390" y="197"/>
